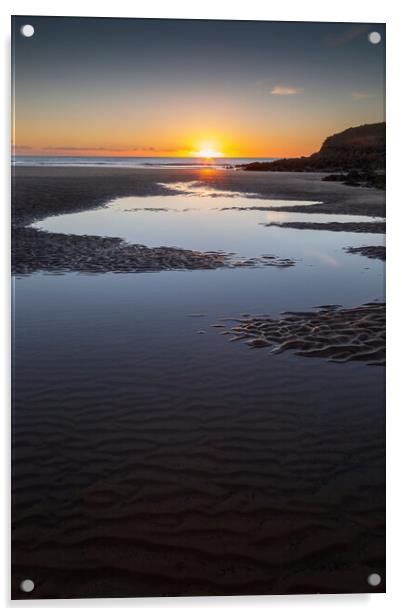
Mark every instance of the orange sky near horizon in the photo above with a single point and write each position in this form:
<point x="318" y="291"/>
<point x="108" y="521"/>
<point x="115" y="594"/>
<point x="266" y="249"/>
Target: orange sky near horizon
<point x="223" y="148"/>
<point x="273" y="142"/>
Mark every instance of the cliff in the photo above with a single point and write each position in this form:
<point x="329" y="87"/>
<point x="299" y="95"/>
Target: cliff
<point x="361" y="148"/>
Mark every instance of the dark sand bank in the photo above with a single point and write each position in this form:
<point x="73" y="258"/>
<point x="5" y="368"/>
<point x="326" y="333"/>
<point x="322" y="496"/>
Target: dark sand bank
<point x="58" y="252"/>
<point x="354" y="227"/>
<point x="372" y="252"/>
<point x="341" y="335"/>
<point x="363" y="207"/>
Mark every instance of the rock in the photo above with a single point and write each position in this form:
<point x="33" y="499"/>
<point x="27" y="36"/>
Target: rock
<point x="358" y="148"/>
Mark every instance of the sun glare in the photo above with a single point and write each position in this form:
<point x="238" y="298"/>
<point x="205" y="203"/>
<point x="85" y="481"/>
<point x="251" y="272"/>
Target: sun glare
<point x="208" y="153"/>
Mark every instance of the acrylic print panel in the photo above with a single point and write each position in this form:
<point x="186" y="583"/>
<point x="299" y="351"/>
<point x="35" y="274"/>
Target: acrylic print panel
<point x="199" y="320"/>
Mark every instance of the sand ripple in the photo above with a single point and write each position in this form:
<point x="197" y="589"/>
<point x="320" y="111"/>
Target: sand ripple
<point x="341" y="335"/>
<point x="40" y="251"/>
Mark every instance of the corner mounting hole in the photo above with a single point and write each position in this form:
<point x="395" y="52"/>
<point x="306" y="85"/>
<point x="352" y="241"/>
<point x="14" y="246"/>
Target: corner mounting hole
<point x="374" y="38"/>
<point x="27" y="585"/>
<point x="374" y="579"/>
<point x="27" y="30"/>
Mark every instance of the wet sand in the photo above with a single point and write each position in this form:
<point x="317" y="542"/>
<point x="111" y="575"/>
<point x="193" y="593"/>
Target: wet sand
<point x="163" y="463"/>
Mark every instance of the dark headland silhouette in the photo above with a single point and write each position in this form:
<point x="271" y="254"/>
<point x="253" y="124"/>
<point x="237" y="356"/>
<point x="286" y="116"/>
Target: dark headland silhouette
<point x="358" y="152"/>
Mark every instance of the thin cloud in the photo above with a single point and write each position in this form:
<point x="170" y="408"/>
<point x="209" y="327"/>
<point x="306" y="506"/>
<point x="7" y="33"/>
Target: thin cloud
<point x="360" y="95"/>
<point x="20" y="147"/>
<point x="285" y="90"/>
<point x="347" y="35"/>
<point x="100" y="149"/>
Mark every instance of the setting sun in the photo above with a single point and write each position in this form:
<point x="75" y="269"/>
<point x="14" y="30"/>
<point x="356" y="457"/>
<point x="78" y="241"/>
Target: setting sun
<point x="208" y="153"/>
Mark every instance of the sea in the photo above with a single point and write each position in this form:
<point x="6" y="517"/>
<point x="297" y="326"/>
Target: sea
<point x="134" y="161"/>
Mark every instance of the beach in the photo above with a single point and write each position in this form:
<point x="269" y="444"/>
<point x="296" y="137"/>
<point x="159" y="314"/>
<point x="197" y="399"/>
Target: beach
<point x="156" y="456"/>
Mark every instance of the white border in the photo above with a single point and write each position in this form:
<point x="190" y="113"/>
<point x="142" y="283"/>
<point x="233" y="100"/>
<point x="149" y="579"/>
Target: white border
<point x="288" y="10"/>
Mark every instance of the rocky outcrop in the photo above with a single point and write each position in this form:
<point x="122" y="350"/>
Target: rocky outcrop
<point x="361" y="148"/>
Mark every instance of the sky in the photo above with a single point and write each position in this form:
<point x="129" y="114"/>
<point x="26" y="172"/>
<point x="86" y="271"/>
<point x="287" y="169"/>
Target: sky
<point x="147" y="87"/>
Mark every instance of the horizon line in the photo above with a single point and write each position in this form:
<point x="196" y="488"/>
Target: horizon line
<point x="131" y="156"/>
